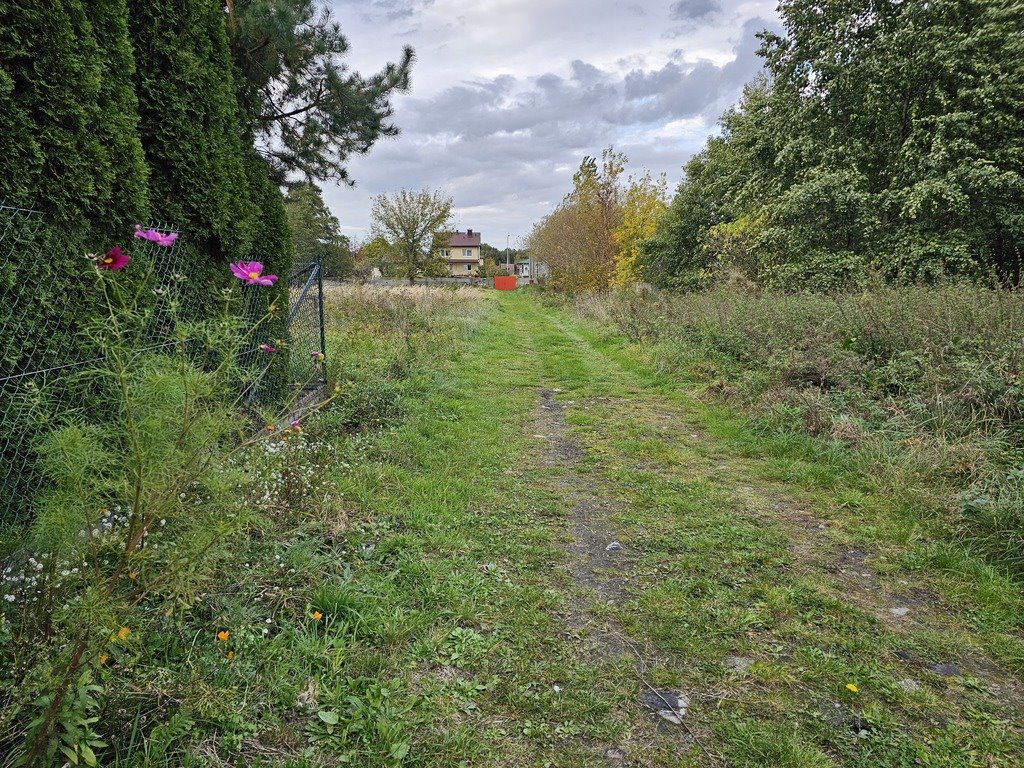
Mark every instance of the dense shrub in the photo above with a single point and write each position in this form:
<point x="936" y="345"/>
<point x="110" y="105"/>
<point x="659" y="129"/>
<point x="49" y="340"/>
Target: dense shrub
<point x="191" y="131"/>
<point x="884" y="138"/>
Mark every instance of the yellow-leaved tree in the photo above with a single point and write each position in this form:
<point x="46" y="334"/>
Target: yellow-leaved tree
<point x="644" y="204"/>
<point x="575" y="240"/>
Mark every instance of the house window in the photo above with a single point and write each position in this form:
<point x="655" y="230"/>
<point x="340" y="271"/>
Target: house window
<point x="446" y="252"/>
<point x="467" y="252"/>
<point x="469" y="267"/>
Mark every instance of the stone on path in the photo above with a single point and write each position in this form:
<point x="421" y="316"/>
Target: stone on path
<point x="668" y="705"/>
<point x="614" y="547"/>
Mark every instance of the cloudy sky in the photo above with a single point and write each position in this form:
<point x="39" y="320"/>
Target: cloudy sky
<point x="509" y="95"/>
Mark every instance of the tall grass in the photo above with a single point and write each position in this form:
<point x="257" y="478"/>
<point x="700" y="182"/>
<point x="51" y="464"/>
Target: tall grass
<point x="922" y="384"/>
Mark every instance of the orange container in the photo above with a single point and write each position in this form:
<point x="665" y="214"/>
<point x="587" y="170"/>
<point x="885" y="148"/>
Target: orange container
<point x="505" y="282"/>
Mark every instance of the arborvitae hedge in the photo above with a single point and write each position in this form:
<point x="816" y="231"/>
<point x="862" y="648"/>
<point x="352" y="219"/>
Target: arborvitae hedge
<point x="67" y="114"/>
<point x="272" y="245"/>
<point x="191" y="130"/>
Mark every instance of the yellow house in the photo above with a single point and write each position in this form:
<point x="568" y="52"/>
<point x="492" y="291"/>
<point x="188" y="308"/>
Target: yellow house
<point x="463" y="253"/>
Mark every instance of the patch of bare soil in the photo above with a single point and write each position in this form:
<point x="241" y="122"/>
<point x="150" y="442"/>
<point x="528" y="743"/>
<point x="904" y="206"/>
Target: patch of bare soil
<point x="594" y="565"/>
<point x="598" y="566"/>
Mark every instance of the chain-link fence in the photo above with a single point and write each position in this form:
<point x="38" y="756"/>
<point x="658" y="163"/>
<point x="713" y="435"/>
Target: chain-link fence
<point x="47" y="296"/>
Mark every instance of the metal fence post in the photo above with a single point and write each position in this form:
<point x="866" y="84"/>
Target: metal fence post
<point x="323" y="324"/>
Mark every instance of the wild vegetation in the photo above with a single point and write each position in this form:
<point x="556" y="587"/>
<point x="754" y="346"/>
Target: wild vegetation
<point x="420" y="574"/>
<point x="184" y="579"/>
<point x="592" y="239"/>
<point x="879" y="149"/>
<point x="919" y="387"/>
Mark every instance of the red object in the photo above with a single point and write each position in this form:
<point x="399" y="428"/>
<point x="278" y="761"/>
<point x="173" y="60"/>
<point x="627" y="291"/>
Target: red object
<point x="505" y="282"/>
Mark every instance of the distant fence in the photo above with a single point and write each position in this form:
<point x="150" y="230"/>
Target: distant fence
<point x="42" y="313"/>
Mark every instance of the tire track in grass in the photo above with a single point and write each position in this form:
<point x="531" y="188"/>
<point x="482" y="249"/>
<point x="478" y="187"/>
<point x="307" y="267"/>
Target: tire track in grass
<point x="598" y="565"/>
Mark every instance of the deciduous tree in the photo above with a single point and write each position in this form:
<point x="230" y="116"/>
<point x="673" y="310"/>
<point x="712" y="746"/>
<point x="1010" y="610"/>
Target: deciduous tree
<point x="886" y="139"/>
<point x="643" y="206"/>
<point x="576" y="240"/>
<point x="415" y="225"/>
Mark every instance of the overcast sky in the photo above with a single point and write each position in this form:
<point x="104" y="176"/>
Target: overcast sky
<point x="509" y="95"/>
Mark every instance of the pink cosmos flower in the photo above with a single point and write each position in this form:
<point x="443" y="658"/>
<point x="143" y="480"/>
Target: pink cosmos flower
<point x="297" y="425"/>
<point x="165" y="240"/>
<point x="114" y="259"/>
<point x="252" y="273"/>
<point x="268" y="348"/>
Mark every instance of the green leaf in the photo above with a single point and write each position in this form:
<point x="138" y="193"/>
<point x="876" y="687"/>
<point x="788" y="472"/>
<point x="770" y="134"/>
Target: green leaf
<point x="398" y="751"/>
<point x="329" y="716"/>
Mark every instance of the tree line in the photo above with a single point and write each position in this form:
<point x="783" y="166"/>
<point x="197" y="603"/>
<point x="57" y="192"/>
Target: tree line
<point x="884" y="139"/>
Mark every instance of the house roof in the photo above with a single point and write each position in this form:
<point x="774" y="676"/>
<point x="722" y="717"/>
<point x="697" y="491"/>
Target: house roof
<point x="466" y="239"/>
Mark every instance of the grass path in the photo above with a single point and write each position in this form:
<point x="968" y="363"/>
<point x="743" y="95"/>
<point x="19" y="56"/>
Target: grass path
<point x="559" y="542"/>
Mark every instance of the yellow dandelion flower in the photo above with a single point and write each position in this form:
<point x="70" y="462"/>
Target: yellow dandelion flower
<point x="132" y="575"/>
<point x="851" y="687"/>
<point x="123" y="632"/>
<point x="223" y="635"/>
<point x="316" y="615"/>
<point x="271" y="427"/>
<point x="103" y="659"/>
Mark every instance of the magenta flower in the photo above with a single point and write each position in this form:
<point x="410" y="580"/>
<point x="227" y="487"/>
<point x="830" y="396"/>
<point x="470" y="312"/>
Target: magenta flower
<point x="317" y="356"/>
<point x="252" y="273"/>
<point x="297" y="425"/>
<point x="268" y="348"/>
<point x="165" y="240"/>
<point x="114" y="259"/>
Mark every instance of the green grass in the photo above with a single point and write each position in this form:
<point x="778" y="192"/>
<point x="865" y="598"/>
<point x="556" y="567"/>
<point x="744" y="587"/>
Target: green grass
<point x="437" y="543"/>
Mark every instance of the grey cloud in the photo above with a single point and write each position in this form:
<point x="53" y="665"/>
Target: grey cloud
<point x="680" y="92"/>
<point x="501" y="143"/>
<point x="585" y="73"/>
<point x="392" y="10"/>
<point x="591" y="100"/>
<point x="689" y="10"/>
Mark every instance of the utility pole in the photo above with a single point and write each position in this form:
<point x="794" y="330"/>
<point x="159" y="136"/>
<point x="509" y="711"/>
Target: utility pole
<point x="508" y="259"/>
